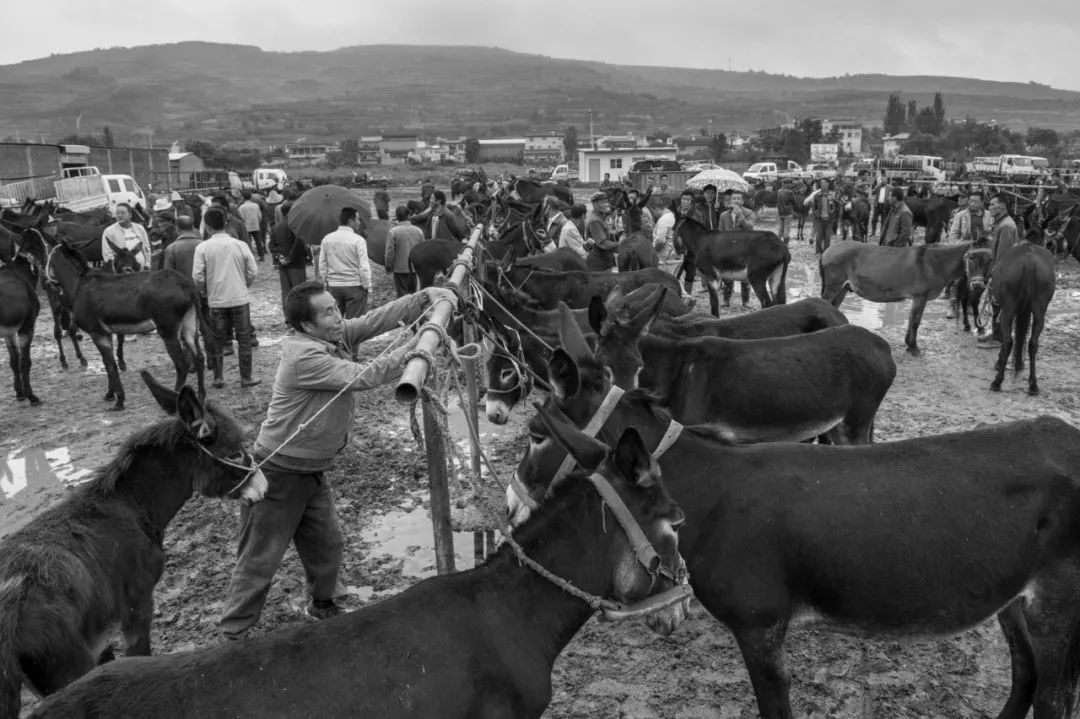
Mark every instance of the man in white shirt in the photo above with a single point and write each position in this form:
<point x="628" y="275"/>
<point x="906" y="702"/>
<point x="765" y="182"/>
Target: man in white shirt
<point x="663" y="239"/>
<point x="251" y="213"/>
<point x="127" y="234"/>
<point x="344" y="266"/>
<point x="224" y="269"/>
<point x="570" y="234"/>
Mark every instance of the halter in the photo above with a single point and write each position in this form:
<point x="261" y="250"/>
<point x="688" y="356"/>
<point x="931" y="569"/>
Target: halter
<point x="249" y="466"/>
<point x="645" y="553"/>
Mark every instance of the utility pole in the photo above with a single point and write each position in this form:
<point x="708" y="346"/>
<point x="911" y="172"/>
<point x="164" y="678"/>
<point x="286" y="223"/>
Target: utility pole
<point x="592" y="140"/>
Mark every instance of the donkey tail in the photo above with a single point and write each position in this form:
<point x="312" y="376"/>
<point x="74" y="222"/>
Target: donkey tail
<point x="1024" y="305"/>
<point x="779" y="289"/>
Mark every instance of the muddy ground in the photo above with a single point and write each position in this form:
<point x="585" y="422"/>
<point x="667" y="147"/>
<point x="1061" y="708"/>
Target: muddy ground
<point x="608" y="670"/>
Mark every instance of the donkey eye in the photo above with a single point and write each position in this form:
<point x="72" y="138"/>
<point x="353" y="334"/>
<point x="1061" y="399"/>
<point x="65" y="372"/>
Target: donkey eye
<point x="537" y="438"/>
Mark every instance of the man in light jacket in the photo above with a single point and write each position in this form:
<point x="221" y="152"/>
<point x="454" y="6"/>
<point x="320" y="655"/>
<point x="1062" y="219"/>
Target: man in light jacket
<point x="344" y="265"/>
<point x="570" y="234"/>
<point x="224" y="269"/>
<point x="126" y="234"/>
<point x="400" y="241"/>
<point x="971" y="224"/>
<point x="319" y="358"/>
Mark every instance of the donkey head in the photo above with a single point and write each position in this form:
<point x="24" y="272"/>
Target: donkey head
<point x="634" y="475"/>
<point x="617" y="334"/>
<point x="226" y="468"/>
<point x="124" y="260"/>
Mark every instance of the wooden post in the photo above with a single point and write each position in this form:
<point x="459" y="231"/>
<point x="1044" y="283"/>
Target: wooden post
<point x="470" y="363"/>
<point x="408" y="391"/>
<point x="439" y="490"/>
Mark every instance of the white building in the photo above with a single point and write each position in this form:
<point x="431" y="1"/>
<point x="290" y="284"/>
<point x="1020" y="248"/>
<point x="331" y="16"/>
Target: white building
<point x="593" y="164"/>
<point x="890" y="146"/>
<point x="544" y="149"/>
<point x="850" y="133"/>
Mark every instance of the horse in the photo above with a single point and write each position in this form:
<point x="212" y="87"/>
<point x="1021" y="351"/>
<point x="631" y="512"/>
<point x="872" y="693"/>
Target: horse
<point x="856" y="216"/>
<point x="505" y="622"/>
<point x="780" y="535"/>
<point x="1023" y="285"/>
<point x="87" y="567"/>
<point x="891" y="274"/>
<point x="19" y="308"/>
<point x="104" y="304"/>
<point x="518" y="357"/>
<point x="830" y="382"/>
<point x="932" y="213"/>
<point x="758" y="257"/>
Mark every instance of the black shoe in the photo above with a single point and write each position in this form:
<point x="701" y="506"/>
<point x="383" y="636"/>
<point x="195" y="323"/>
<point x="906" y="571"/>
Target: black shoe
<point x="250" y="382"/>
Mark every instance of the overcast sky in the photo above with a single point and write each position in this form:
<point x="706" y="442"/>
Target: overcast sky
<point x="990" y="39"/>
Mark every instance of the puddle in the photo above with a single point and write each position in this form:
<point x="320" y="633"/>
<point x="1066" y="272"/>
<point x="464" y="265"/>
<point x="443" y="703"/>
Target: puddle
<point x="409" y="536"/>
<point x="37" y="469"/>
<point x="32" y="480"/>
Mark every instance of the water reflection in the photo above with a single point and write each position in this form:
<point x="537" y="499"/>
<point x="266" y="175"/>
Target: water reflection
<point x="805" y="281"/>
<point x="36" y="470"/>
<point x="409" y="536"/>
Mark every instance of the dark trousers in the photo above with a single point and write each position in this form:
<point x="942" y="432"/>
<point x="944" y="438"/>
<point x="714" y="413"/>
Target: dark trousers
<point x="290" y="277"/>
<point x="297" y="508"/>
<point x="351" y="300"/>
<point x="689" y="273"/>
<point x="785" y="227"/>
<point x="383" y="214"/>
<point x="228" y="321"/>
<point x="258" y="242"/>
<point x="404" y="283"/>
<point x="822" y="233"/>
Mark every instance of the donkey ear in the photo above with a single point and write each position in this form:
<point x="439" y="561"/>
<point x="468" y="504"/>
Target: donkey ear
<point x="114" y="248"/>
<point x="166" y="398"/>
<point x="651" y="310"/>
<point x="632" y="461"/>
<point x="194" y="414"/>
<point x="585" y="450"/>
<point x="563" y="374"/>
<point x="597" y="313"/>
<point x="570" y="334"/>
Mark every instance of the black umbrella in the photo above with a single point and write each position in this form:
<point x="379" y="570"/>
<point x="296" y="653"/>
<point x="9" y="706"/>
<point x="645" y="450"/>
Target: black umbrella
<point x="316" y="213"/>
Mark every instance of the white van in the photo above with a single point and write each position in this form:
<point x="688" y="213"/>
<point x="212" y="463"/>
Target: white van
<point x="266" y="178"/>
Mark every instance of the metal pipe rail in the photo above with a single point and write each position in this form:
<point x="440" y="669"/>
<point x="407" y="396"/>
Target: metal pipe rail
<point x="416" y="371"/>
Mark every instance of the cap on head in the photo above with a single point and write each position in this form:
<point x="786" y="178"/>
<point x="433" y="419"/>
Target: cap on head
<point x="597" y="197"/>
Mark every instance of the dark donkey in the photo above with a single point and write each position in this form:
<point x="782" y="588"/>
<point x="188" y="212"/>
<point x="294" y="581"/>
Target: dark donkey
<point x="830" y="382"/>
<point x="928" y="536"/>
<point x="891" y="274"/>
<point x="1022" y="287"/>
<point x="758" y="257"/>
<point x="88" y="566"/>
<point x="519" y="355"/>
<point x="21" y="264"/>
<point x="577" y="289"/>
<point x="104" y="304"/>
<point x="503" y="624"/>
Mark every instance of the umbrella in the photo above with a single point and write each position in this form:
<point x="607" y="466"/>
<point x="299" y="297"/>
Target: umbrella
<point x="315" y="214"/>
<point x="723" y="179"/>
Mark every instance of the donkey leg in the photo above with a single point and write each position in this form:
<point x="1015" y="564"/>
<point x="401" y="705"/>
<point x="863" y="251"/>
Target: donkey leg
<point x="1006" y="329"/>
<point x="116" y="390"/>
<point x="713" y="284"/>
<point x="136" y="627"/>
<point x="1014" y="627"/>
<point x="1052" y="627"/>
<point x="56" y="666"/>
<point x="761" y="288"/>
<point x="120" y="353"/>
<point x="1038" y="320"/>
<point x="73" y="333"/>
<point x="176" y="353"/>
<point x="13" y="362"/>
<point x="58" y="335"/>
<point x="918" y="304"/>
<point x="763" y="651"/>
<point x="23" y="342"/>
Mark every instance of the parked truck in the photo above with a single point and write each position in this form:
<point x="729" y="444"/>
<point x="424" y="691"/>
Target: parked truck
<point x="913" y="167"/>
<point x="85" y="188"/>
<point x="771" y="170"/>
<point x="1008" y="168"/>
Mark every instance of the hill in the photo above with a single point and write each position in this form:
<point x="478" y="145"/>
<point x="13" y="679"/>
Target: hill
<point x="234" y="92"/>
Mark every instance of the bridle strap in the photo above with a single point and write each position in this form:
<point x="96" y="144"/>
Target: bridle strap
<point x="249" y="469"/>
<point x="671" y="436"/>
<point x="596" y="423"/>
<point x="643" y="549"/>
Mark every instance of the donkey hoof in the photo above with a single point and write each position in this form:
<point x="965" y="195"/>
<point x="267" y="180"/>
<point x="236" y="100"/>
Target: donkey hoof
<point x="995" y="386"/>
<point x="914" y="351"/>
<point x="1033" y="390"/>
<point x="118" y="407"/>
<point x="84" y="363"/>
<point x="122" y="365"/>
<point x="34" y="401"/>
<point x="20" y="398"/>
<point x="109" y="397"/>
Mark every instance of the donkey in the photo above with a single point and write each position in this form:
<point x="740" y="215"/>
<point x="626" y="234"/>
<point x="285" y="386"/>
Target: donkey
<point x="88" y="566"/>
<point x="503" y="623"/>
<point x="891" y="274"/>
<point x="19" y="306"/>
<point x="1063" y="234"/>
<point x="758" y="257"/>
<point x="928" y="536"/>
<point x="1023" y="285"/>
<point x="104" y="304"/>
<point x="830" y="382"/>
